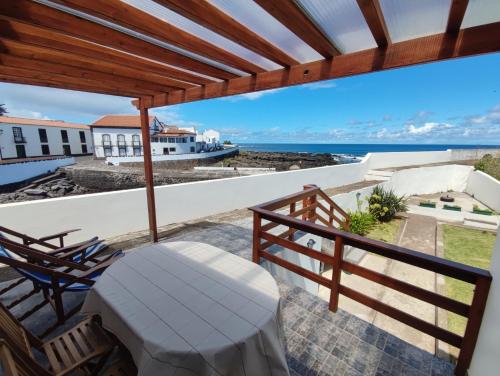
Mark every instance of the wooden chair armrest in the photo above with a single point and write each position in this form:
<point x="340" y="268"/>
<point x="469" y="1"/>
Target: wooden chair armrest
<point x="76" y="248"/>
<point x="59" y="234"/>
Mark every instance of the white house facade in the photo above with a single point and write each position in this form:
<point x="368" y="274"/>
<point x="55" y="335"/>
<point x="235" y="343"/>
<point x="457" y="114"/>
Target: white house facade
<point x="28" y="138"/>
<point x="120" y="135"/>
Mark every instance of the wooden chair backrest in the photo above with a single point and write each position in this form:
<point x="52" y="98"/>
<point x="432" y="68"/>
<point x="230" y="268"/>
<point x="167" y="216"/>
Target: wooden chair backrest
<point x="15" y="363"/>
<point x="13" y="332"/>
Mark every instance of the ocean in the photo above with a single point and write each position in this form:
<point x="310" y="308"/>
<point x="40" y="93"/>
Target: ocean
<point x="357" y="150"/>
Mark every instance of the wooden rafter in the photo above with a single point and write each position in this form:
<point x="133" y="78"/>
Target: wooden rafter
<point x="375" y="19"/>
<point x="67" y="23"/>
<point x="208" y="15"/>
<point x="115" y="71"/>
<point x="47" y="38"/>
<point x="33" y="77"/>
<point x="470" y="41"/>
<point x="130" y="17"/>
<point x="118" y="82"/>
<point x="295" y="19"/>
<point x="65" y="86"/>
<point x="456" y="15"/>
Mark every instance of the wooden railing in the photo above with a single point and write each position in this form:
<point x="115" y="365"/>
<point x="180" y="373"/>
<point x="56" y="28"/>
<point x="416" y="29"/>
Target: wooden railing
<point x="334" y="227"/>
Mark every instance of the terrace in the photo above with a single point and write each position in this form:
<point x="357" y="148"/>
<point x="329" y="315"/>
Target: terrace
<point x="173" y="52"/>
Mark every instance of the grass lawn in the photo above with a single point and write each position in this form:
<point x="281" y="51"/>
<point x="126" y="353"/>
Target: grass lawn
<point x="386" y="231"/>
<point x="471" y="247"/>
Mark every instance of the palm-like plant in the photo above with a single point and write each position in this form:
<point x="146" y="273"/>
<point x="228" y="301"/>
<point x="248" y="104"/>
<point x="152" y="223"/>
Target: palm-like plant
<point x="384" y="204"/>
<point x="3" y="110"/>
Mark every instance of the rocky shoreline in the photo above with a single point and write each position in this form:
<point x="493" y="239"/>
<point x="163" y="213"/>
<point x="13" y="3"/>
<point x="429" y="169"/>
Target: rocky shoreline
<point x="91" y="175"/>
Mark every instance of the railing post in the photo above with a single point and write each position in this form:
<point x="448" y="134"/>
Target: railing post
<point x="336" y="271"/>
<point x="257" y="223"/>
<point x="308" y="215"/>
<point x="473" y="325"/>
<point x="292" y="231"/>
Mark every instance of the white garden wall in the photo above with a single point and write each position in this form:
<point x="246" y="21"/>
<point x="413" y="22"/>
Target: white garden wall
<point x="485" y="188"/>
<point x="17" y="172"/>
<point x="386" y="160"/>
<point x="120" y="212"/>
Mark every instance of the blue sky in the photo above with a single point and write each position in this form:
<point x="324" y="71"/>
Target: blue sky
<point x="456" y="101"/>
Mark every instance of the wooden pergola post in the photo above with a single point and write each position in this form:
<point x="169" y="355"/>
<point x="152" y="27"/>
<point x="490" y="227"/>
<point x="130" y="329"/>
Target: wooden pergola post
<point x="148" y="173"/>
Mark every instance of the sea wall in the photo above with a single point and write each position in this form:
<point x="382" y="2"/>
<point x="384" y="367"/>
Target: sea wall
<point x="115" y="213"/>
<point x="20" y="171"/>
<point x="485" y="188"/>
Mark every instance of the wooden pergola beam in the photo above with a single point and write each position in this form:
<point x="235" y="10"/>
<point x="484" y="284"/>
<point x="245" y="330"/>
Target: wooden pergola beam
<point x="47" y="38"/>
<point x="208" y="15"/>
<point x="153" y="81"/>
<point x="372" y="12"/>
<point x="471" y="41"/>
<point x="45" y="16"/>
<point x="117" y="82"/>
<point x="297" y="21"/>
<point x="133" y="18"/>
<point x="456" y="15"/>
<point x="37" y="78"/>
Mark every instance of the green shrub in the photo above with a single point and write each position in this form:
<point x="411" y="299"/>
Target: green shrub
<point x="384" y="204"/>
<point x="489" y="165"/>
<point x="361" y="222"/>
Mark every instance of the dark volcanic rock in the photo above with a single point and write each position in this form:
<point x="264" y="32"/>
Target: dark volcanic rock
<point x="280" y="161"/>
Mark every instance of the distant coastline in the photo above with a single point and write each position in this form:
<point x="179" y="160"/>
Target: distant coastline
<point x="357" y="150"/>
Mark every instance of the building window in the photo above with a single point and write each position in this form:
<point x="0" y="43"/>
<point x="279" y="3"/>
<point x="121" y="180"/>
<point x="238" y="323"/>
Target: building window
<point x="137" y="152"/>
<point x="45" y="149"/>
<point x="171" y="140"/>
<point x="43" y="135"/>
<point x="172" y="150"/>
<point x="82" y="137"/>
<point x="154" y="139"/>
<point x="121" y="140"/>
<point x="84" y="149"/>
<point x="192" y="149"/>
<point x="64" y="136"/>
<point x="184" y="140"/>
<point x="18" y="135"/>
<point x="66" y="149"/>
<point x="108" y="152"/>
<point x="165" y="151"/>
<point x="122" y="152"/>
<point x="163" y="139"/>
<point x="106" y="140"/>
<point x="136" y="140"/>
<point x="191" y="139"/>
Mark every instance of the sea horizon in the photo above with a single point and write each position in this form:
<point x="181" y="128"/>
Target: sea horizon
<point x="354" y="149"/>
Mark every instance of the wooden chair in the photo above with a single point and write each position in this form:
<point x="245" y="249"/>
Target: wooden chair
<point x="43" y="241"/>
<point x="53" y="282"/>
<point x="15" y="364"/>
<point x="67" y="352"/>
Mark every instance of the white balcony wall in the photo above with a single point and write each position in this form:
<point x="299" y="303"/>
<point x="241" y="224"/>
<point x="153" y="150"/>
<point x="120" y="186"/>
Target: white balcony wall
<point x="120" y="212"/>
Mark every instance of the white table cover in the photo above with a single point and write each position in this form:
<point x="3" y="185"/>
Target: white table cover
<point x="188" y="308"/>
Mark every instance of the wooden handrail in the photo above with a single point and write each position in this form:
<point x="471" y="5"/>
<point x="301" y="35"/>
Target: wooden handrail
<point x="309" y="197"/>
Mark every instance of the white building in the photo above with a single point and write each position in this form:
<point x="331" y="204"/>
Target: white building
<point x="25" y="138"/>
<point x="120" y="136"/>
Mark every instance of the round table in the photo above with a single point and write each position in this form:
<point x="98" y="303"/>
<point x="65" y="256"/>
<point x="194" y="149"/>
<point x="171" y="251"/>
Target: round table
<point x="188" y="308"/>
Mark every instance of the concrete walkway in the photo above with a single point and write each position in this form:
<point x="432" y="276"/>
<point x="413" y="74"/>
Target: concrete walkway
<point x="418" y="233"/>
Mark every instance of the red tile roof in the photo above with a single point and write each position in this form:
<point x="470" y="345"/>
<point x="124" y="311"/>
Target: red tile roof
<point x="121" y="121"/>
<point x="38" y="122"/>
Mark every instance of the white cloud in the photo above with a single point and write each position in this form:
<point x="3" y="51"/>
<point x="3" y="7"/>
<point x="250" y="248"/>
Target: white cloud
<point x="251" y="96"/>
<point x="319" y="85"/>
<point x="42" y="103"/>
<point x="424" y="129"/>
